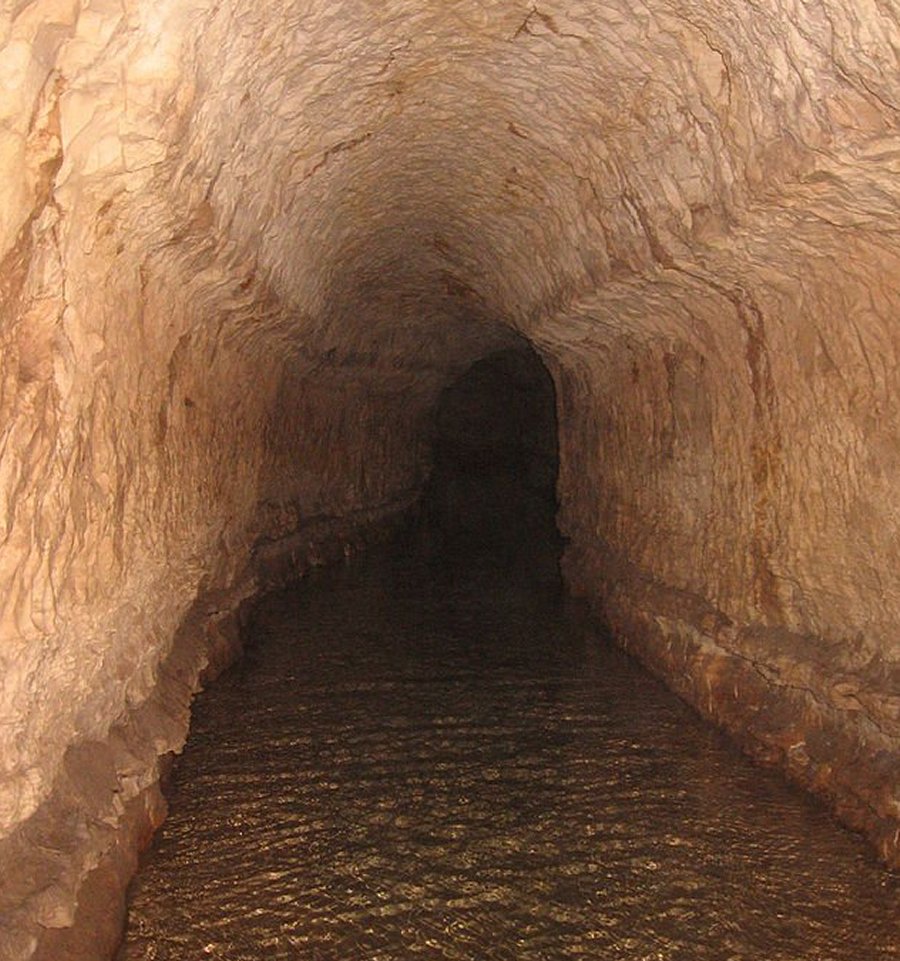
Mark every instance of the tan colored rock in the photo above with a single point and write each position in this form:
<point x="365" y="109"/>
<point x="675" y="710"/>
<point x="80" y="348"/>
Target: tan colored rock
<point x="244" y="246"/>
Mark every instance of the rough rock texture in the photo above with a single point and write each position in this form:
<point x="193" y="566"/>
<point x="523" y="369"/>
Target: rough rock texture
<point x="244" y="246"/>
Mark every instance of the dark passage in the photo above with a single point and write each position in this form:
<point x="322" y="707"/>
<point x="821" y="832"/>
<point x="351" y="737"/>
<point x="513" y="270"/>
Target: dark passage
<point x="456" y="767"/>
<point x="493" y="485"/>
<point x="430" y="753"/>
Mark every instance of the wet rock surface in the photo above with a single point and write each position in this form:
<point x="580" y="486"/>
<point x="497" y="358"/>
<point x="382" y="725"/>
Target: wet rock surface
<point x="451" y="763"/>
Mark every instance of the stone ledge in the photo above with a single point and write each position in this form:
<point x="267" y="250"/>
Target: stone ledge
<point x="64" y="872"/>
<point x="839" y="744"/>
<point x="324" y="540"/>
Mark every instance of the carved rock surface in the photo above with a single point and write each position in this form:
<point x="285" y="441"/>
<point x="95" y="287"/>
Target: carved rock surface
<point x="245" y="245"/>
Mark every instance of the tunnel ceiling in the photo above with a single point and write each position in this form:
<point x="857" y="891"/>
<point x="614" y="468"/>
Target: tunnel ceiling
<point x="399" y="180"/>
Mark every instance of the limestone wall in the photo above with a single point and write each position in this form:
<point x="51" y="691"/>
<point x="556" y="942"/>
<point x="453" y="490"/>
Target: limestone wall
<point x="752" y="565"/>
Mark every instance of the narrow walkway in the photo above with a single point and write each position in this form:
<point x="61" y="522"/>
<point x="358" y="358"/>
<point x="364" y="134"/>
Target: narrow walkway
<point x="454" y="767"/>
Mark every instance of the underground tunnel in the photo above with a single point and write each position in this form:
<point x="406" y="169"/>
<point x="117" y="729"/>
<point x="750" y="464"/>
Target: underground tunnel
<point x="494" y="463"/>
<point x="256" y="258"/>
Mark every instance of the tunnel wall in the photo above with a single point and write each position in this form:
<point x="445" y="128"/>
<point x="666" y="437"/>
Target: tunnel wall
<point x="159" y="469"/>
<point x="158" y="465"/>
<point x="727" y="488"/>
<point x="346" y="455"/>
<point x="139" y="519"/>
<point x="155" y="476"/>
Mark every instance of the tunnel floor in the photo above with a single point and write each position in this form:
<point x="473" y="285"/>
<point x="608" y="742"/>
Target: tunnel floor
<point x="449" y="763"/>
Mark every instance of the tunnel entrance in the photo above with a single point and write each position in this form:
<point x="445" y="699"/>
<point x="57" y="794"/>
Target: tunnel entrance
<point x="492" y="489"/>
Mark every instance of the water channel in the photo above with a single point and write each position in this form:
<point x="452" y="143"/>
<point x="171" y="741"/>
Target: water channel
<point x="448" y="762"/>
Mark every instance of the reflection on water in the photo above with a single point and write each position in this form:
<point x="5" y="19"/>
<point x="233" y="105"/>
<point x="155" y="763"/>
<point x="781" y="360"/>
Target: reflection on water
<point x="454" y="767"/>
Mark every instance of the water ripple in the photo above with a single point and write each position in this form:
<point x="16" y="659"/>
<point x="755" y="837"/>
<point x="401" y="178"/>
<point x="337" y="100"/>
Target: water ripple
<point x="456" y="769"/>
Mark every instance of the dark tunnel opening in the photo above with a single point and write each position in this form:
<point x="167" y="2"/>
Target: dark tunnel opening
<point x="492" y="488"/>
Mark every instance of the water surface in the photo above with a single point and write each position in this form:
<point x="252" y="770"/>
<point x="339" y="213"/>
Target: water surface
<point x="449" y="764"/>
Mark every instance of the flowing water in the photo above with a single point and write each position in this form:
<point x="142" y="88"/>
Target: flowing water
<point x="450" y="764"/>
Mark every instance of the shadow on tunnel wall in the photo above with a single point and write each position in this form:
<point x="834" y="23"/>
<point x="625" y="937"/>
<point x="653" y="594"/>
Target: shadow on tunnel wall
<point x="492" y="490"/>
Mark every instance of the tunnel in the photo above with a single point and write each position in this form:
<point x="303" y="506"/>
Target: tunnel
<point x="260" y="265"/>
<point x="495" y="461"/>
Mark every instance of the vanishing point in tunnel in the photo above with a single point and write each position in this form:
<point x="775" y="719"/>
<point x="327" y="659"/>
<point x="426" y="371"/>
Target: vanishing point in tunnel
<point x="267" y="271"/>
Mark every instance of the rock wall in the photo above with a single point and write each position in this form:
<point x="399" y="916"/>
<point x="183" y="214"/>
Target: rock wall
<point x="751" y="566"/>
<point x="243" y="248"/>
